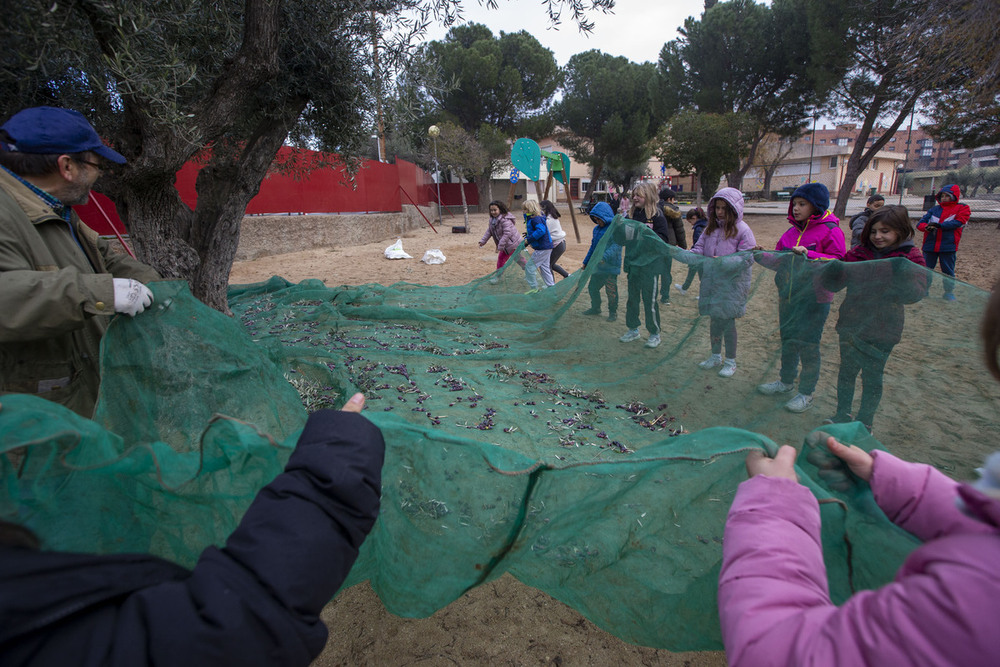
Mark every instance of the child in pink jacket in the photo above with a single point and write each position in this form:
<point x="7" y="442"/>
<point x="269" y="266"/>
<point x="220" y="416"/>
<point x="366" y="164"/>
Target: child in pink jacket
<point x="803" y="306"/>
<point x="503" y="230"/>
<point x="943" y="607"/>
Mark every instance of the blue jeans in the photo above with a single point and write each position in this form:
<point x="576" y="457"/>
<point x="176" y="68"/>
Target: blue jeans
<point x="947" y="268"/>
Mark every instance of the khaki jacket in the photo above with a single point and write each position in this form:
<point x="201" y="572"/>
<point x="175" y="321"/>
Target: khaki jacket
<point x="56" y="300"/>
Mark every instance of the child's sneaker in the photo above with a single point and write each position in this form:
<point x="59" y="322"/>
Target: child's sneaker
<point x="728" y="368"/>
<point x="799" y="403"/>
<point x="839" y="419"/>
<point x="653" y="341"/>
<point x="592" y="311"/>
<point x="776" y="387"/>
<point x="711" y="362"/>
<point x="630" y="335"/>
<point x="948" y="296"/>
<point x="533" y="290"/>
<point x="680" y="288"/>
<point x="612" y="317"/>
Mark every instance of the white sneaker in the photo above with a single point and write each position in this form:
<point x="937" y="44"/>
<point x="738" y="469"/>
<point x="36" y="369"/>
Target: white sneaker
<point x="728" y="368"/>
<point x="799" y="403"/>
<point x="630" y="335"/>
<point x="776" y="387"/>
<point x="653" y="341"/>
<point x="680" y="288"/>
<point x="711" y="362"/>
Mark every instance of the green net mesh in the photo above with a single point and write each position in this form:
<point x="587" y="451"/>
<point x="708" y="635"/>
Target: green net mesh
<point x="522" y="436"/>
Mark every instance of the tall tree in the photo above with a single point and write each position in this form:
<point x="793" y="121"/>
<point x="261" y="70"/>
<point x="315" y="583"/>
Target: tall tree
<point x="462" y="155"/>
<point x="886" y="78"/>
<point x="490" y="86"/>
<point x="706" y="144"/>
<point x="959" y="38"/>
<point x="771" y="153"/>
<point x="164" y="81"/>
<point x="771" y="64"/>
<point x="607" y="114"/>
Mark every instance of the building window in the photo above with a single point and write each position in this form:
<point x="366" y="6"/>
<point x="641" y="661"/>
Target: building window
<point x="822" y="141"/>
<point x="833" y="162"/>
<point x="927" y="152"/>
<point x="874" y="164"/>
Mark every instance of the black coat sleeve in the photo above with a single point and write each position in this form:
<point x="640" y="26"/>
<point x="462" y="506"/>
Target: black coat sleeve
<point x="257" y="600"/>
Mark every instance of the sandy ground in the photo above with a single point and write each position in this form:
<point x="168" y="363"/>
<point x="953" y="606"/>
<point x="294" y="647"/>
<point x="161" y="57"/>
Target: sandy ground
<point x="504" y="622"/>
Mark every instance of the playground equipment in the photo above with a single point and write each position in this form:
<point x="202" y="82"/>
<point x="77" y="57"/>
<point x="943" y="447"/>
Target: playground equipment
<point x="526" y="156"/>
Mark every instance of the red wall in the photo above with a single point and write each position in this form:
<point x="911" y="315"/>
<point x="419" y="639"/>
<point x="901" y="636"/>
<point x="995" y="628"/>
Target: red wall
<point x="297" y="184"/>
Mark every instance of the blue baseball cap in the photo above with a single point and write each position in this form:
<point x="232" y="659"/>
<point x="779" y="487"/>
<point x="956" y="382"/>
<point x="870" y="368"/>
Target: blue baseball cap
<point x="51" y="130"/>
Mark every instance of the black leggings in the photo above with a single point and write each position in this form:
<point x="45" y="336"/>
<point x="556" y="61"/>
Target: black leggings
<point x="557" y="252"/>
<point x="723" y="328"/>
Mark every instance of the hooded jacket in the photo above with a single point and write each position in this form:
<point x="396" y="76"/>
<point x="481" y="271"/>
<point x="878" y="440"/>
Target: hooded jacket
<point x="794" y="275"/>
<point x="538" y="234"/>
<point x="256" y="601"/>
<point x="946" y="222"/>
<point x="611" y="259"/>
<point x="56" y="298"/>
<point x="942" y="608"/>
<point x="725" y="281"/>
<point x="876" y="291"/>
<point x="675" y="221"/>
<point x="503" y="231"/>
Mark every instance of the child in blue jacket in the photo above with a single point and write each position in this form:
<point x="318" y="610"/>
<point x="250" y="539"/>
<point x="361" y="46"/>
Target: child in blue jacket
<point x="538" y="238"/>
<point x="605" y="275"/>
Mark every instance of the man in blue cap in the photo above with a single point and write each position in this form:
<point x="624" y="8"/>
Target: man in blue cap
<point x="59" y="283"/>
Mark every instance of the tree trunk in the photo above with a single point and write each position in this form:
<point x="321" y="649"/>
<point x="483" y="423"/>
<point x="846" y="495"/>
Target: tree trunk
<point x="859" y="157"/>
<point x="768" y="175"/>
<point x="200" y="245"/>
<point x="465" y="205"/>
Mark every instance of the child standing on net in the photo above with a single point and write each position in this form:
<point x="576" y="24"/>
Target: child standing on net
<point x="558" y="237"/>
<point x="942" y="228"/>
<point x="643" y="262"/>
<point x="870" y="322"/>
<point x="725" y="283"/>
<point x="803" y="306"/>
<point x="605" y="275"/>
<point x="698" y="220"/>
<point x="942" y="607"/>
<point x="538" y="238"/>
<point x="503" y="230"/>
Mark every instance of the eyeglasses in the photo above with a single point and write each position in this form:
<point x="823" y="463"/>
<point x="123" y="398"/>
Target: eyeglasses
<point x="99" y="167"/>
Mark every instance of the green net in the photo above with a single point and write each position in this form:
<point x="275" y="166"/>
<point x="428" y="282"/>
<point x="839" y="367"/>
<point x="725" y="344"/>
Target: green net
<point x="522" y="436"/>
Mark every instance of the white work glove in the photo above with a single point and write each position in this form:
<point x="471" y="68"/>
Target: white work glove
<point x="131" y="296"/>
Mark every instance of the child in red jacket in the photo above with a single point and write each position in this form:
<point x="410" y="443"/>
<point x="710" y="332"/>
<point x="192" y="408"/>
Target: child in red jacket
<point x="942" y="228"/>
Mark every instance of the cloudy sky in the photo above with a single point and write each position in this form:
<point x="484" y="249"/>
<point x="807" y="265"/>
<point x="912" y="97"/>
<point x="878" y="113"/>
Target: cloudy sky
<point x="637" y="29"/>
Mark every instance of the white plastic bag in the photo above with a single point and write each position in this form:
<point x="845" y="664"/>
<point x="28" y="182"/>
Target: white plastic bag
<point x="434" y="256"/>
<point x="395" y="251"/>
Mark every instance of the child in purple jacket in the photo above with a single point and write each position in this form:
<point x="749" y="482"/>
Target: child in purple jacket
<point x="803" y="306"/>
<point x="725" y="284"/>
<point x="870" y="323"/>
<point x="943" y="606"/>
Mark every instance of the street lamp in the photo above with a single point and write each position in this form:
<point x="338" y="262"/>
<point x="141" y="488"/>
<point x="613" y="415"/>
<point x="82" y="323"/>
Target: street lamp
<point x="812" y="149"/>
<point x="433" y="131"/>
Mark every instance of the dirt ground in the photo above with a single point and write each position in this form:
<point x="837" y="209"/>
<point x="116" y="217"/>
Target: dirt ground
<point x="503" y="622"/>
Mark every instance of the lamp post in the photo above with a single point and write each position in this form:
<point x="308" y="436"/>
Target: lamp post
<point x="812" y="149"/>
<point x="433" y="131"/>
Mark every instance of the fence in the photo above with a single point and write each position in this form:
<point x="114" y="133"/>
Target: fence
<point x="302" y="182"/>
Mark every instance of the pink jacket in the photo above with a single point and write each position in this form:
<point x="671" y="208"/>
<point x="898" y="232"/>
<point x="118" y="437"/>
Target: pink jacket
<point x="942" y="609"/>
<point x="503" y="231"/>
<point x="795" y="278"/>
